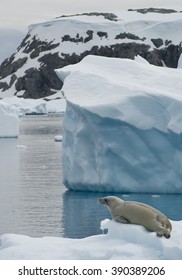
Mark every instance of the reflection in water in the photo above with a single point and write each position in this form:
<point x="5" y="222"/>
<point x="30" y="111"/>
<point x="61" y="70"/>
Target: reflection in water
<point x="31" y="179"/>
<point x="170" y="204"/>
<point x="40" y="177"/>
<point x="9" y="188"/>
<point x="33" y="199"/>
<point x="82" y="212"/>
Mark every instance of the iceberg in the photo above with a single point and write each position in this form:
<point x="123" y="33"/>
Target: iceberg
<point x="123" y="245"/>
<point x="9" y="121"/>
<point x="122" y="126"/>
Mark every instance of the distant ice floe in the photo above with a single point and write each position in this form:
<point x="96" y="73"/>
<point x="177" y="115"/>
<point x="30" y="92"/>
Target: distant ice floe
<point x="58" y="138"/>
<point x="21" y="147"/>
<point x="37" y="106"/>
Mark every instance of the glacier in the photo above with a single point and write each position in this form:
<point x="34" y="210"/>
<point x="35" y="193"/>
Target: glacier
<point x="122" y="126"/>
<point x="9" y="121"/>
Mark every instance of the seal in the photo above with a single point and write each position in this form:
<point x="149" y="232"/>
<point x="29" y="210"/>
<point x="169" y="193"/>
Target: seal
<point x="132" y="212"/>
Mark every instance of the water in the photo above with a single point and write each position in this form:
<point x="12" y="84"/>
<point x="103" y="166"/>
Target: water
<point x="33" y="199"/>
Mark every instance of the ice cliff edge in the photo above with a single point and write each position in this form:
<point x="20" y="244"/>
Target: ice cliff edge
<point x="122" y="126"/>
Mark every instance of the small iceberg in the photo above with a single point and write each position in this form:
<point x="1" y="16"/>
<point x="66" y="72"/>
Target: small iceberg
<point x="58" y="138"/>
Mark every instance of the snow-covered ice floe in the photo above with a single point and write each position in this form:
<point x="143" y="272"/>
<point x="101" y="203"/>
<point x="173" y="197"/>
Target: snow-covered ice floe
<point x="122" y="241"/>
<point x="9" y="121"/>
<point x="54" y="104"/>
<point x="122" y="126"/>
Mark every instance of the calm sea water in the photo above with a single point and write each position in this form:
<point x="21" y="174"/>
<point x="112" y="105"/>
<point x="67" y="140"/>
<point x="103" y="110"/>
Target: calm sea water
<point x="33" y="200"/>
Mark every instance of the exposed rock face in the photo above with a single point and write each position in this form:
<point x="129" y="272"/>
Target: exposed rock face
<point x="154" y="10"/>
<point x="78" y="39"/>
<point x="51" y="45"/>
<point x="10" y="66"/>
<point x="108" y="16"/>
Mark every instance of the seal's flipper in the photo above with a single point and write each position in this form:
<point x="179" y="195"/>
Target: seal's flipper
<point x="121" y="219"/>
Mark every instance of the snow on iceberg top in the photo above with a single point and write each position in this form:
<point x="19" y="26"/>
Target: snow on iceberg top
<point x="136" y="92"/>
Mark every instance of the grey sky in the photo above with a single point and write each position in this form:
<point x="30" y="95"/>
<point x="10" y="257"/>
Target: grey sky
<point x="17" y="15"/>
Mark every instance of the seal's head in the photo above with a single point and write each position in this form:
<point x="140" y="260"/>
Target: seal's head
<point x="110" y="201"/>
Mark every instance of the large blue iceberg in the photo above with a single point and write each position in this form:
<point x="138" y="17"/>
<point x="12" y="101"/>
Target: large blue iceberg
<point x="122" y="126"/>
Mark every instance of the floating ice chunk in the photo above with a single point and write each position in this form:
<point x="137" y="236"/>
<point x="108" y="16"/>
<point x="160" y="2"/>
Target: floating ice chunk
<point x="58" y="138"/>
<point x="23" y="147"/>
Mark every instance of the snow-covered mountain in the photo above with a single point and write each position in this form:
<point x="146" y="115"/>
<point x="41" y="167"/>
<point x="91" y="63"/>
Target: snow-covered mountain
<point x="155" y="34"/>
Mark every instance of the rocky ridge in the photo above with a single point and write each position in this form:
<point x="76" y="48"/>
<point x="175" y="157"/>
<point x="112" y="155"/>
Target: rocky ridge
<point x="29" y="72"/>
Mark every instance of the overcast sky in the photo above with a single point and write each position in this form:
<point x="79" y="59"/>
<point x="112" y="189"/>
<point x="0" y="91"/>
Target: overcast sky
<point x="15" y="16"/>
